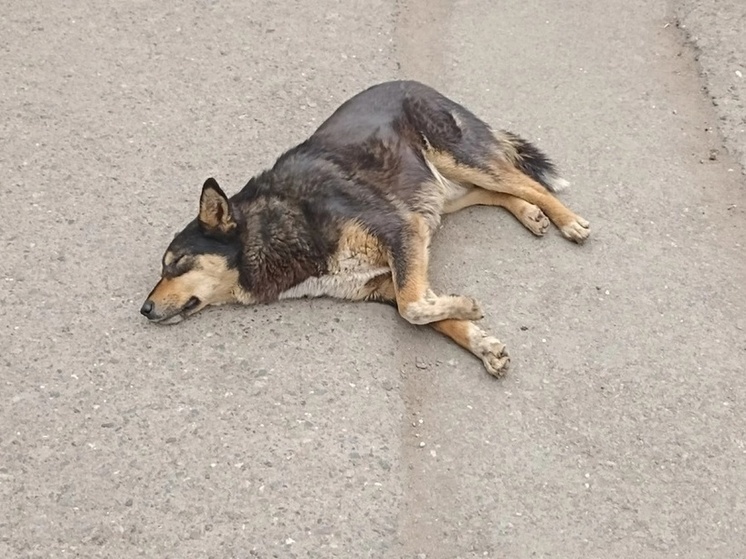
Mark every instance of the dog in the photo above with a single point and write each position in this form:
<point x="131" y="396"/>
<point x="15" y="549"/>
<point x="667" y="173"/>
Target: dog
<point x="350" y="213"/>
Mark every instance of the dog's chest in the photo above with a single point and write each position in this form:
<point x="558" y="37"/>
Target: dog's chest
<point x="358" y="259"/>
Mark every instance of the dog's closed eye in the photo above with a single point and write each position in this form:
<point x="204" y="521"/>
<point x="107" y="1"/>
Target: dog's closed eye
<point x="172" y="263"/>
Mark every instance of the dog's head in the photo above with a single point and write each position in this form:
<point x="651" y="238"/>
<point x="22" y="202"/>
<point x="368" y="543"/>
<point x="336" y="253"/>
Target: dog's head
<point x="200" y="266"/>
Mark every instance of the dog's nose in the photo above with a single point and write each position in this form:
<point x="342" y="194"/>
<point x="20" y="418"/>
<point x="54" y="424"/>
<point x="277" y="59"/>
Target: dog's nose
<point x="147" y="308"/>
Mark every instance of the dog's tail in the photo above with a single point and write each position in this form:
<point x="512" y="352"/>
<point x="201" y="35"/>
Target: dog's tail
<point x="533" y="162"/>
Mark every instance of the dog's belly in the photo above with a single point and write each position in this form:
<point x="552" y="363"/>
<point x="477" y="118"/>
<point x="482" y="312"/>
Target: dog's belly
<point x="350" y="284"/>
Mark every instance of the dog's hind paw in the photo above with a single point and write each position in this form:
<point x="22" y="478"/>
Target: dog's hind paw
<point x="576" y="230"/>
<point x="494" y="356"/>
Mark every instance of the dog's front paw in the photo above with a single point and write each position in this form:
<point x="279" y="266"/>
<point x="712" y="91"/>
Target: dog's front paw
<point x="494" y="356"/>
<point x="470" y="308"/>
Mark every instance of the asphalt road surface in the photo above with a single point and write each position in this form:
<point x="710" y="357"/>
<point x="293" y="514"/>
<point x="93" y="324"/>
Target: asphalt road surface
<point x="326" y="429"/>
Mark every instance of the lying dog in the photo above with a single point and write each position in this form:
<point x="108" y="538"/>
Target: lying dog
<point x="350" y="212"/>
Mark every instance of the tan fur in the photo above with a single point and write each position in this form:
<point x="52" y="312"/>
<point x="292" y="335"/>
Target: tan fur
<point x="528" y="214"/>
<point x="357" y="247"/>
<point x="415" y="300"/>
<point x="209" y="279"/>
<point x="453" y="171"/>
<point x="512" y="181"/>
<point x="469" y="336"/>
<point x="359" y="259"/>
<point x="381" y="288"/>
<point x="504" y="177"/>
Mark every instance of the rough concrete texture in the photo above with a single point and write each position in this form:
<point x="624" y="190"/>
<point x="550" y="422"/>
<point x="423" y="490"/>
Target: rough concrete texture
<point x="297" y="429"/>
<point x="716" y="28"/>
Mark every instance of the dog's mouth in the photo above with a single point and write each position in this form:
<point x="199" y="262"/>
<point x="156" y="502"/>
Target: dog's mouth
<point x="192" y="306"/>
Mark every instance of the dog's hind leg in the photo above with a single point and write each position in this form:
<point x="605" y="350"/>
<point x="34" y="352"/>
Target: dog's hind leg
<point x="465" y="150"/>
<point x="510" y="180"/>
<point x="504" y="177"/>
<point x="530" y="215"/>
<point x="415" y="300"/>
<point x="469" y="336"/>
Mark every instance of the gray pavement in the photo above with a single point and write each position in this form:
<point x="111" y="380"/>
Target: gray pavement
<point x="714" y="29"/>
<point x="295" y="430"/>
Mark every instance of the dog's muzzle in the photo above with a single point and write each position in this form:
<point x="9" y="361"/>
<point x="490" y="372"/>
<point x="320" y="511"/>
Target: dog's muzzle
<point x="150" y="311"/>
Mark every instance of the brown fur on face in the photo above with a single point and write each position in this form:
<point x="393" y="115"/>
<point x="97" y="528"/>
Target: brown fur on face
<point x="209" y="279"/>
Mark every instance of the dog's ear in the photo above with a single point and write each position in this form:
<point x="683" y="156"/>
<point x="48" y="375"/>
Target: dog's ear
<point x="214" y="209"/>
